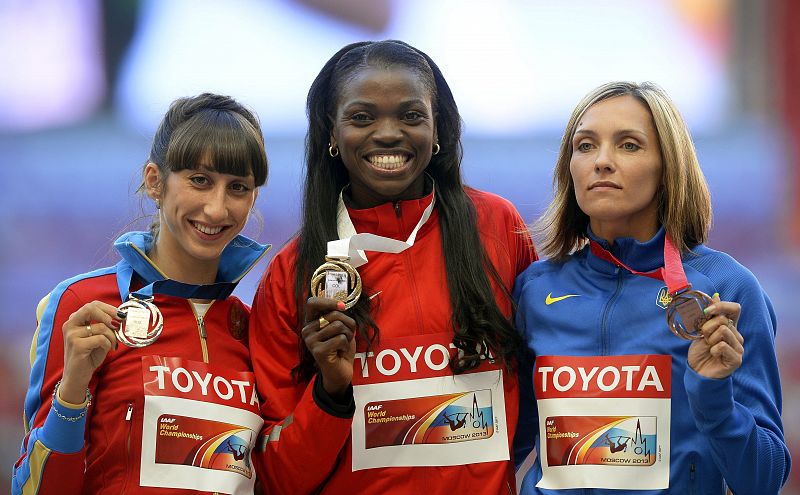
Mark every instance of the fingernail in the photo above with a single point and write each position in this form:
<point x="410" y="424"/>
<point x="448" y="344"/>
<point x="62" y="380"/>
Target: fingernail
<point x="340" y="306"/>
<point x="121" y="314"/>
<point x="707" y="309"/>
<point x="716" y="294"/>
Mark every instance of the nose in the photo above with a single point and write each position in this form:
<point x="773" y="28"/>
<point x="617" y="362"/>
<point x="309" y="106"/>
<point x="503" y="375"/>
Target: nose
<point x="605" y="160"/>
<point x="216" y="205"/>
<point x="388" y="131"/>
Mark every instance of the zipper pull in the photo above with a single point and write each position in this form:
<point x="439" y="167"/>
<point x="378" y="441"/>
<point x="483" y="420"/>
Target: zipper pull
<point x="202" y="326"/>
<point x="397" y="208"/>
<point x="130" y="411"/>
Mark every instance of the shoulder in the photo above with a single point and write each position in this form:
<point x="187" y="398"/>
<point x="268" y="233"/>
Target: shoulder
<point x="545" y="269"/>
<point x="70" y="295"/>
<point x="279" y="275"/>
<point x="486" y="202"/>
<point x="496" y="215"/>
<point x="287" y="255"/>
<point x="722" y="270"/>
<point x="87" y="286"/>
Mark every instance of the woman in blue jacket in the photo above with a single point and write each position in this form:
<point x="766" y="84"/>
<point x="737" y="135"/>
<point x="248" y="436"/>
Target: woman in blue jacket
<point x="613" y="401"/>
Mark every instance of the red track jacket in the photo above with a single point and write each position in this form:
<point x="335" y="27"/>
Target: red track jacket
<point x="308" y="444"/>
<point x="101" y="453"/>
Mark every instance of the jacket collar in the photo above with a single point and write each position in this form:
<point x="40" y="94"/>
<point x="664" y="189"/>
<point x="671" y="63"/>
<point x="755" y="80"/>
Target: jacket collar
<point x="237" y="259"/>
<point x="641" y="256"/>
<point x="393" y="219"/>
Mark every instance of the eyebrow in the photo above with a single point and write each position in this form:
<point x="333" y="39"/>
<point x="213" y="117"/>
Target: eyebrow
<point x="617" y="134"/>
<point x="403" y="104"/>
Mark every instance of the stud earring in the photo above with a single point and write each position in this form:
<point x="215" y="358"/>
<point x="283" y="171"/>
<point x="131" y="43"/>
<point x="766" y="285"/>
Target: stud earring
<point x="158" y="204"/>
<point x="333" y="150"/>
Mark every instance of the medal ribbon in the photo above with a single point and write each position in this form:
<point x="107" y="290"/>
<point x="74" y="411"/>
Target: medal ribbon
<point x="352" y="245"/>
<point x="219" y="290"/>
<point x="671" y="273"/>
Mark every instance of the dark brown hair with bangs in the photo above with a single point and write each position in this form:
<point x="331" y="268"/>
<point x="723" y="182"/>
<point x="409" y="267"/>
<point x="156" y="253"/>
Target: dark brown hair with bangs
<point x="214" y="129"/>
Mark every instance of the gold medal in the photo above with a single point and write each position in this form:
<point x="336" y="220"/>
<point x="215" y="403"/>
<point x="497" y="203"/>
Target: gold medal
<point x="685" y="314"/>
<point x="142" y="324"/>
<point x="337" y="279"/>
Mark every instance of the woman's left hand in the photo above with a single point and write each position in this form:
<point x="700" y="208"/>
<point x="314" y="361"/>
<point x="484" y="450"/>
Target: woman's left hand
<point x="719" y="353"/>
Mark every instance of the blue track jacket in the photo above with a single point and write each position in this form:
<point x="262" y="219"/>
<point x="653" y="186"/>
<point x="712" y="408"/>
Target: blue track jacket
<point x="724" y="433"/>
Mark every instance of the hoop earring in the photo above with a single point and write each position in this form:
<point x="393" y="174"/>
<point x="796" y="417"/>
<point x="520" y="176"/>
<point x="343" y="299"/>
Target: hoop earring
<point x="436" y="148"/>
<point x="331" y="151"/>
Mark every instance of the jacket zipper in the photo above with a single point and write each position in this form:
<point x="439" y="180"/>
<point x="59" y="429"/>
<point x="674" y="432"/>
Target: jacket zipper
<point x="201" y="329"/>
<point x="129" y="421"/>
<point x="604" y="347"/>
<point x="407" y="262"/>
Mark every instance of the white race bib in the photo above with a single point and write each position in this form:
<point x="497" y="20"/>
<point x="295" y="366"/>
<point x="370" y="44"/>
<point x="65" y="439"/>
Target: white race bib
<point x="200" y="425"/>
<point x="604" y="421"/>
<point x="412" y="411"/>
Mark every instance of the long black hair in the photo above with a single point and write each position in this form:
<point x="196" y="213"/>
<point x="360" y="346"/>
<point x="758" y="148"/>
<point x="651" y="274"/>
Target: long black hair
<point x="479" y="324"/>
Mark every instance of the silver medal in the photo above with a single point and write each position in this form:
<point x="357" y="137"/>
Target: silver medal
<point x="142" y="324"/>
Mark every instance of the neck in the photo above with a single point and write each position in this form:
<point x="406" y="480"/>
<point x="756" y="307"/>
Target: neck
<point x="361" y="199"/>
<point x="184" y="270"/>
<point x="611" y="231"/>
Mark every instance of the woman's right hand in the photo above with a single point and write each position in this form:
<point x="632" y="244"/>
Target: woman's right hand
<point x="88" y="338"/>
<point x="333" y="344"/>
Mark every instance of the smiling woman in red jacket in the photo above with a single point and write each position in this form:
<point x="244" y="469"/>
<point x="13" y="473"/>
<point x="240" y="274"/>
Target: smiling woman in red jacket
<point x="408" y="391"/>
<point x="174" y="410"/>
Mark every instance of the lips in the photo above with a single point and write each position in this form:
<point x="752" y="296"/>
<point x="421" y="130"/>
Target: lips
<point x="388" y="162"/>
<point x="207" y="229"/>
<point x="605" y="184"/>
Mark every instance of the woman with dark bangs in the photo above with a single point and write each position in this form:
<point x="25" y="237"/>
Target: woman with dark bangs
<point x="173" y="409"/>
<point x="409" y="390"/>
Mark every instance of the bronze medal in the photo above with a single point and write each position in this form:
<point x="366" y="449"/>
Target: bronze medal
<point x="142" y="324"/>
<point x="337" y="279"/>
<point x="685" y="314"/>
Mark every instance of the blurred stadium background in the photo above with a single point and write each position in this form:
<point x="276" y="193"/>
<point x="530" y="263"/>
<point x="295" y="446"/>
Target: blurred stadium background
<point x="83" y="83"/>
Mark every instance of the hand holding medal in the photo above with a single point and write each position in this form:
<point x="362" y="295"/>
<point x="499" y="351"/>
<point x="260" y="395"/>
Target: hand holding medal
<point x="329" y="335"/>
<point x="88" y="338"/>
<point x="719" y="349"/>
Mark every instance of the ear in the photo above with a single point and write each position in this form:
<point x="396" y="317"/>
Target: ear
<point x="152" y="181"/>
<point x="332" y="140"/>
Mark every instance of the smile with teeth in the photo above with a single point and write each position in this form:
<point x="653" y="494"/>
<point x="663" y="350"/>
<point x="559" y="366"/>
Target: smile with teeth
<point x="387" y="162"/>
<point x="206" y="229"/>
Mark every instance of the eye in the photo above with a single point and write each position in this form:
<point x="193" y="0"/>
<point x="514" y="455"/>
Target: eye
<point x="240" y="187"/>
<point x="583" y="147"/>
<point x="361" y="117"/>
<point x="413" y="116"/>
<point x="199" y="180"/>
<point x="630" y="146"/>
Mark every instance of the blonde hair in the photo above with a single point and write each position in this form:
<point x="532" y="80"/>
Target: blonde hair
<point x="684" y="203"/>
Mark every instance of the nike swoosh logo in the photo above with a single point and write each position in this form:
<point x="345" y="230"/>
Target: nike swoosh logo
<point x="550" y="299"/>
